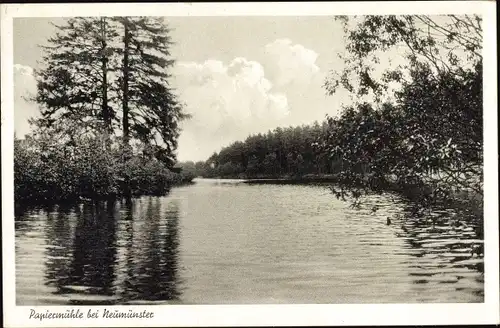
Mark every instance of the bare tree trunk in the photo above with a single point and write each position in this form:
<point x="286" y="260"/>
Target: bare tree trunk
<point x="125" y="119"/>
<point x="125" y="98"/>
<point x="104" y="66"/>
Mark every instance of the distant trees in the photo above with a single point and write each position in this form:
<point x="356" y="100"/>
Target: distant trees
<point x="110" y="76"/>
<point x="278" y="153"/>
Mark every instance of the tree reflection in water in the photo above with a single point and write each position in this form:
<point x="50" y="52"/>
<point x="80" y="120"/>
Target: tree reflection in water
<point x="152" y="259"/>
<point x="128" y="252"/>
<point x="444" y="240"/>
<point x="84" y="247"/>
<point x="442" y="246"/>
<point x="89" y="274"/>
<point x="59" y="236"/>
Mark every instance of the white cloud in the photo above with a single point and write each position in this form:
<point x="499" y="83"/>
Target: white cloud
<point x="294" y="70"/>
<point x="290" y="63"/>
<point x="24" y="88"/>
<point x="228" y="102"/>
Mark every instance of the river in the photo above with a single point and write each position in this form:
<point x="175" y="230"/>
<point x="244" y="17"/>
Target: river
<point x="227" y="242"/>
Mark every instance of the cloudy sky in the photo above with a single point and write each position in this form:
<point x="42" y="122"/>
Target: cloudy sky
<point x="236" y="75"/>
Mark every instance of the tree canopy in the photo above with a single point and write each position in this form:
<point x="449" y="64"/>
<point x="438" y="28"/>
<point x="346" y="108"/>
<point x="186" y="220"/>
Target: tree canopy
<point x="426" y="132"/>
<point x="111" y="75"/>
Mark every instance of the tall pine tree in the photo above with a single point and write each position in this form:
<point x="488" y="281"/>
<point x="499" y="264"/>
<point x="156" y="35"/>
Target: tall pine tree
<point x="108" y="74"/>
<point x="73" y="88"/>
<point x="151" y="112"/>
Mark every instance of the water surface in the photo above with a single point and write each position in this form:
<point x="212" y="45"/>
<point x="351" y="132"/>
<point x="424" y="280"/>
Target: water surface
<point x="218" y="242"/>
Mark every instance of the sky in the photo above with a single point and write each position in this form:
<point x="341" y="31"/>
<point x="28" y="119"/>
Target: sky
<point x="235" y="75"/>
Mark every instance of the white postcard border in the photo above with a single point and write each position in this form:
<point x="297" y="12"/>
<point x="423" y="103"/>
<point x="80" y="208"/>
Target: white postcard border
<point x="269" y="315"/>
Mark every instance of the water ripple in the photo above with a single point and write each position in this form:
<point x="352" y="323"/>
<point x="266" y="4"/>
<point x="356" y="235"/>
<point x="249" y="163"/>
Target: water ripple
<point x="228" y="242"/>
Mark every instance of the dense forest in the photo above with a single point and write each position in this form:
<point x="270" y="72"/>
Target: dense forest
<point x="283" y="152"/>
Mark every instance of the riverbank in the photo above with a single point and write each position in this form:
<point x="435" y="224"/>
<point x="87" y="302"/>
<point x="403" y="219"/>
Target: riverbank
<point x="309" y="178"/>
<point x="40" y="200"/>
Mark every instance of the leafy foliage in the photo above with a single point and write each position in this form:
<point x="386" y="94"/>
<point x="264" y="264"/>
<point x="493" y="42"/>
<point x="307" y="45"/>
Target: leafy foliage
<point x="47" y="168"/>
<point x="447" y="44"/>
<point x="423" y="136"/>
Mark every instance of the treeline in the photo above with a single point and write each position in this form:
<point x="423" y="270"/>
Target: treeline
<point x="282" y="152"/>
<point x="109" y="121"/>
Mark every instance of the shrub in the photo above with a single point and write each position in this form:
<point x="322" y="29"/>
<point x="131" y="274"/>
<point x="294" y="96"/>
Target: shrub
<point x="48" y="169"/>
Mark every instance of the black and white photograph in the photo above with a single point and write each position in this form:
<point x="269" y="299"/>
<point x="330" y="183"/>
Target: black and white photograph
<point x="162" y="160"/>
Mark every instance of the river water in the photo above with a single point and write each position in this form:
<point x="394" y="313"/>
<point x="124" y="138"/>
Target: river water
<point x="227" y="242"/>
